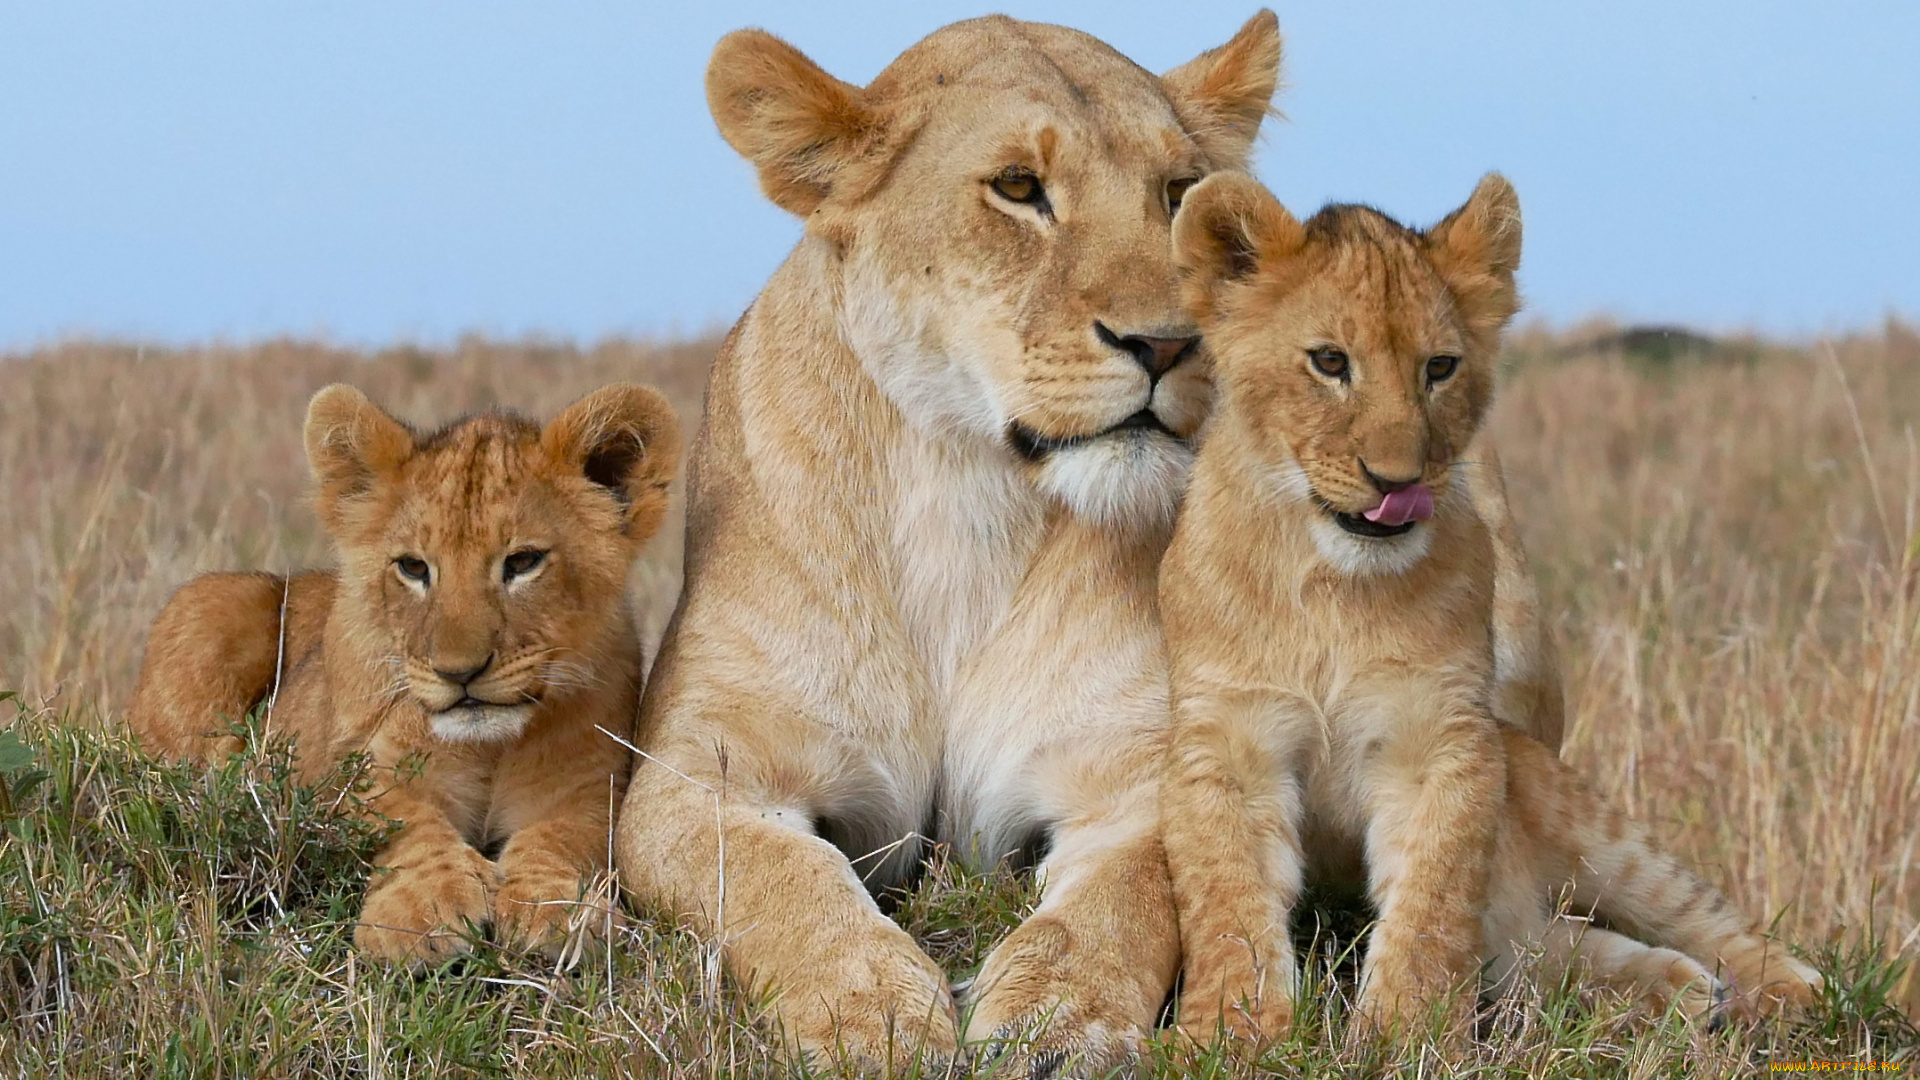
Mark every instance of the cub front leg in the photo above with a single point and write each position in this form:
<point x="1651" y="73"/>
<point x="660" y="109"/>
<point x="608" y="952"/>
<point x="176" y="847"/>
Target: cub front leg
<point x="561" y="797"/>
<point x="428" y="886"/>
<point x="544" y="868"/>
<point x="1433" y="800"/>
<point x="1231" y="808"/>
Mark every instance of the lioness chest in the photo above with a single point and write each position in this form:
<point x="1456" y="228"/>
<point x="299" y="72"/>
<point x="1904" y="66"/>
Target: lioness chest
<point x="1039" y="642"/>
<point x="965" y="534"/>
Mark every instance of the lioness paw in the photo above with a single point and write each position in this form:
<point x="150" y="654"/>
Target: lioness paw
<point x="1050" y="1010"/>
<point x="900" y="1012"/>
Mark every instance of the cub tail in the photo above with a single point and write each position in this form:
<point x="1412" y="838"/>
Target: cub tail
<point x="1621" y="879"/>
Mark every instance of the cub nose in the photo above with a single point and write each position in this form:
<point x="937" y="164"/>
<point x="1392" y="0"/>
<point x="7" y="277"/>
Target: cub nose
<point x="463" y="676"/>
<point x="1387" y="485"/>
<point x="1155" y="355"/>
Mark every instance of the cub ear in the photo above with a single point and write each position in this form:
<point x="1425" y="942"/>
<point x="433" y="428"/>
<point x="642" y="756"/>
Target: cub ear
<point x="1222" y="95"/>
<point x="1477" y="251"/>
<point x="1227" y="228"/>
<point x="351" y="444"/>
<point x="625" y="438"/>
<point x="802" y="128"/>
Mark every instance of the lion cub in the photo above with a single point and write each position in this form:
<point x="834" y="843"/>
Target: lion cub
<point x="1328" y="601"/>
<point x="472" y="640"/>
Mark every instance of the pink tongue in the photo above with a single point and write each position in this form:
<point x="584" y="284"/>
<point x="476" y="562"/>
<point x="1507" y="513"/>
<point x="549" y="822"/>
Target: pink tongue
<point x="1408" y="504"/>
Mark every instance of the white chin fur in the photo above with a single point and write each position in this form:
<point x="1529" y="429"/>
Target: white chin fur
<point x="1365" y="556"/>
<point x="1355" y="556"/>
<point x="481" y="723"/>
<point x="1128" y="478"/>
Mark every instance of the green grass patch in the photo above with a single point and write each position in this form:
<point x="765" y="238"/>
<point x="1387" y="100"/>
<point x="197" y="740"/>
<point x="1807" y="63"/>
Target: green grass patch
<point x="169" y="921"/>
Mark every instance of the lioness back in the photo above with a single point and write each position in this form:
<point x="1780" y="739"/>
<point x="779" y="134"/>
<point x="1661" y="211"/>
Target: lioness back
<point x="477" y="620"/>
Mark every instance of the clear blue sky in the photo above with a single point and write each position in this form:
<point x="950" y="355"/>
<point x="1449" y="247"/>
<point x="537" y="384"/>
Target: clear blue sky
<point x="380" y="169"/>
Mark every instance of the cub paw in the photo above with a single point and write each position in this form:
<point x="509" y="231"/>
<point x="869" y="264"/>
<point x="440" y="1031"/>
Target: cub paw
<point x="540" y="913"/>
<point x="1772" y="983"/>
<point x="1676" y="982"/>
<point x="1399" y="1006"/>
<point x="1225" y="995"/>
<point x="420" y="913"/>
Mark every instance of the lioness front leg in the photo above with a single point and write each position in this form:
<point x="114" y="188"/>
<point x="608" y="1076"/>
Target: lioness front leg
<point x="797" y="925"/>
<point x="1230" y="808"/>
<point x="428" y="886"/>
<point x="1433" y="801"/>
<point x="1086" y="973"/>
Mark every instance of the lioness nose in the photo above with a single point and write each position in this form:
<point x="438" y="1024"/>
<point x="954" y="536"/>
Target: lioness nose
<point x="1156" y="355"/>
<point x="1387" y="485"/>
<point x="463" y="676"/>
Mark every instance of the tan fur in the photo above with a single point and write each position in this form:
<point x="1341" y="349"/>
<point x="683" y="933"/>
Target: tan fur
<point x="1335" y="697"/>
<point x="919" y="599"/>
<point x="363" y="659"/>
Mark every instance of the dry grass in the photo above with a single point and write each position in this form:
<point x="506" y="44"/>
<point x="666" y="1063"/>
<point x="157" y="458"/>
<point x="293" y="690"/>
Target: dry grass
<point x="128" y="470"/>
<point x="1729" y="546"/>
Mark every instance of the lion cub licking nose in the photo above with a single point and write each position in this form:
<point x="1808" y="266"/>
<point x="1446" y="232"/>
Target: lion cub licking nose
<point x="472" y="640"/>
<point x="1328" y="602"/>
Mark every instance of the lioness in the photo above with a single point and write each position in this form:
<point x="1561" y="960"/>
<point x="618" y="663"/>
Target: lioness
<point x="477" y="621"/>
<point x="940" y="460"/>
<point x="1329" y="606"/>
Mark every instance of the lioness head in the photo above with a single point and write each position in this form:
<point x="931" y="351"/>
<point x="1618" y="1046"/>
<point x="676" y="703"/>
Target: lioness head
<point x="1354" y="355"/>
<point x="998" y="203"/>
<point x="486" y="556"/>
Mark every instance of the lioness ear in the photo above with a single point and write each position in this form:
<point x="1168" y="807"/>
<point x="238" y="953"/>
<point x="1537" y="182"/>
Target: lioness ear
<point x="802" y="128"/>
<point x="1477" y="251"/>
<point x="1227" y="228"/>
<point x="351" y="444"/>
<point x="625" y="438"/>
<point x="1222" y="95"/>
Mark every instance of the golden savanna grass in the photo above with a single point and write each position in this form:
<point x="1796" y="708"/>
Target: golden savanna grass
<point x="1729" y="549"/>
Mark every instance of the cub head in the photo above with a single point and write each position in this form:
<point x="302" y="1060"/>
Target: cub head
<point x="487" y="562"/>
<point x="1354" y="356"/>
<point x="996" y="208"/>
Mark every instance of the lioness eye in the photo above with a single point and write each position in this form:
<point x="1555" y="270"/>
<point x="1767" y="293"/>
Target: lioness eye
<point x="521" y="563"/>
<point x="413" y="569"/>
<point x="1176" y="191"/>
<point x="1330" y="362"/>
<point x="1441" y="368"/>
<point x="1019" y="186"/>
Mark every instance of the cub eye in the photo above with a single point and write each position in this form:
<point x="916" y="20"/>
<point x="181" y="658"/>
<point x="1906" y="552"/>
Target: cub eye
<point x="1441" y="368"/>
<point x="1330" y="362"/>
<point x="521" y="563"/>
<point x="414" y="570"/>
<point x="1018" y="185"/>
<point x="1177" y="190"/>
